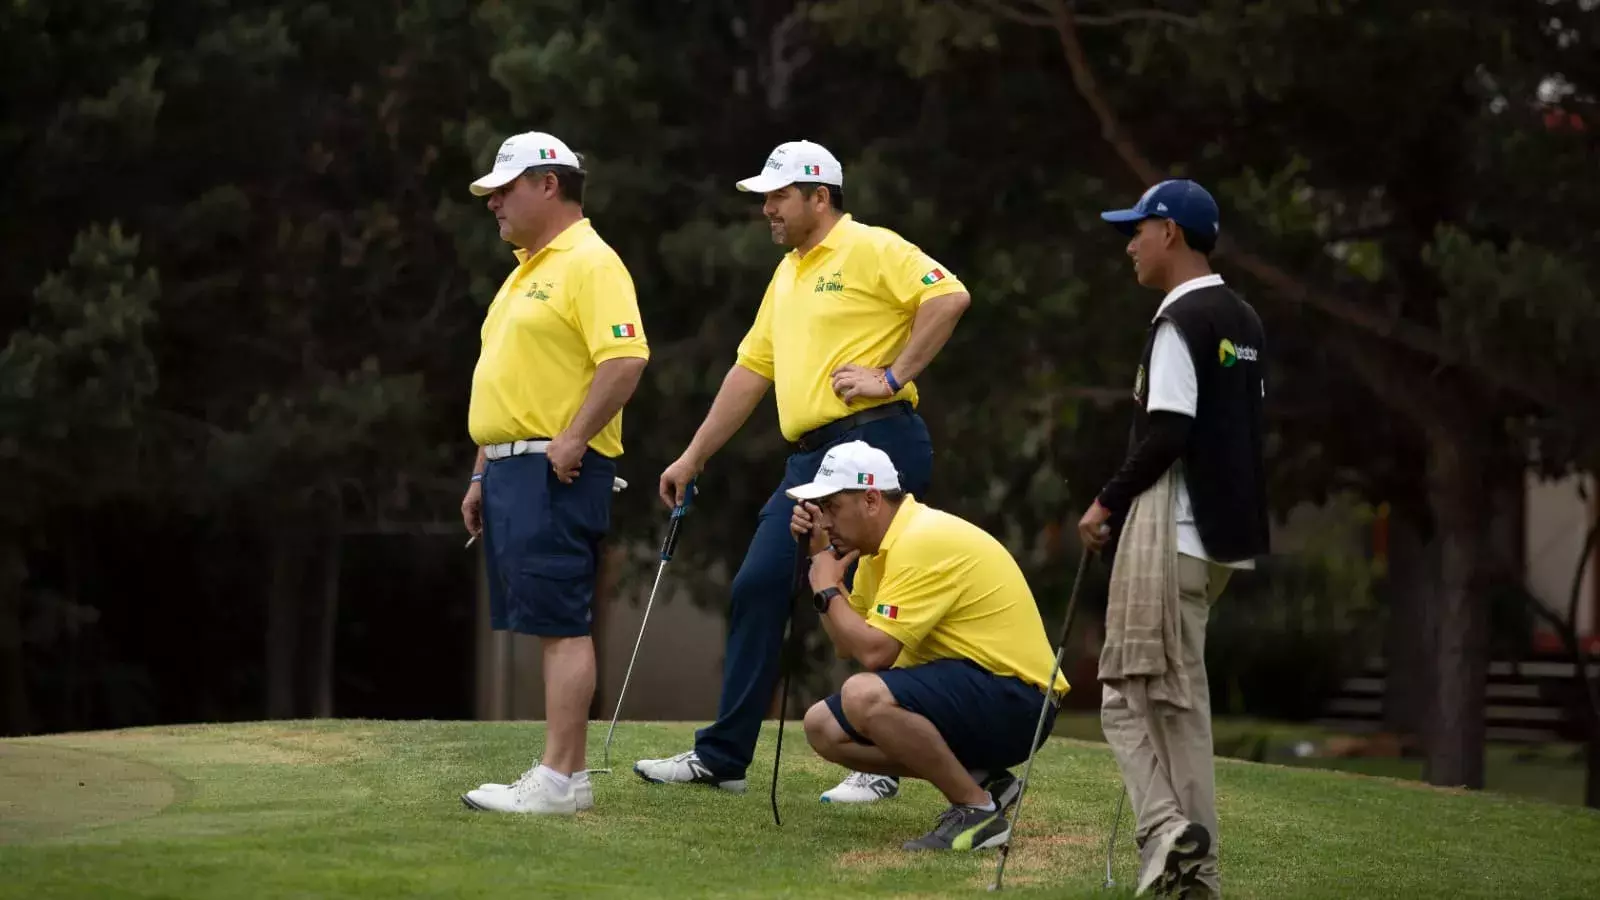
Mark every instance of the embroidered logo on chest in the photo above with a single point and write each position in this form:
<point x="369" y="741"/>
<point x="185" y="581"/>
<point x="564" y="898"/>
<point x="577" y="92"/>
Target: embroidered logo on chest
<point x="830" y="284"/>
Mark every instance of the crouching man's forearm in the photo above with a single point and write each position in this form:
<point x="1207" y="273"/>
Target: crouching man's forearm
<point x="852" y="637"/>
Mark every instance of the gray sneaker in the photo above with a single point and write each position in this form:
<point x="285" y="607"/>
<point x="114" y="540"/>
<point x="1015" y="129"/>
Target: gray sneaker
<point x="965" y="828"/>
<point x="685" y="768"/>
<point x="1174" y="864"/>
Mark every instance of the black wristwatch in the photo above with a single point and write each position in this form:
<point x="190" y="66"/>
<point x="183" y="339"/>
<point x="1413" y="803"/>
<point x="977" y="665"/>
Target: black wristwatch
<point x="821" y="599"/>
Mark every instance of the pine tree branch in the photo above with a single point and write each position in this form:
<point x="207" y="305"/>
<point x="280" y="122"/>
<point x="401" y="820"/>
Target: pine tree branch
<point x="1537" y="391"/>
<point x="1140" y="15"/>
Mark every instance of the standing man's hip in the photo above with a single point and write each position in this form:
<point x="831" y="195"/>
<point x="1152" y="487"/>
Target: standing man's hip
<point x="542" y="539"/>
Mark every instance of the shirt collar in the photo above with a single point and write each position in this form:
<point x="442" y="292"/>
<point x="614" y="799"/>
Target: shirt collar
<point x="1193" y="284"/>
<point x="909" y="509"/>
<point x="566" y="240"/>
<point x="831" y="240"/>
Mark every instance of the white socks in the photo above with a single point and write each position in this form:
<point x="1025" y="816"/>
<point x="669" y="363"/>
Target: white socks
<point x="986" y="807"/>
<point x="560" y="782"/>
<point x="563" y="783"/>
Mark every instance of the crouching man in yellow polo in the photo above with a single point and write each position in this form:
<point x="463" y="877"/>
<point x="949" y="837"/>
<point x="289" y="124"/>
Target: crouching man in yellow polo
<point x="943" y="620"/>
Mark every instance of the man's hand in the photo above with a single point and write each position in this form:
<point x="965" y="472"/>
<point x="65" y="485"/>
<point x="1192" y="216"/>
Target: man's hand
<point x="472" y="509"/>
<point x="828" y="570"/>
<point x="1092" y="528"/>
<point x="804" y="521"/>
<point x="853" y="381"/>
<point x="675" y="480"/>
<point x="565" y="454"/>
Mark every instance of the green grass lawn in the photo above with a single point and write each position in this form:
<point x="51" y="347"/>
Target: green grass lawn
<point x="370" y="809"/>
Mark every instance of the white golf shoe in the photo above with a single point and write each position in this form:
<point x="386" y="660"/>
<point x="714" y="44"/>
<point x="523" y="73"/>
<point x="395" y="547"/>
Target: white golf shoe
<point x="582" y="790"/>
<point x="531" y="794"/>
<point x="860" y="787"/>
<point x="685" y="768"/>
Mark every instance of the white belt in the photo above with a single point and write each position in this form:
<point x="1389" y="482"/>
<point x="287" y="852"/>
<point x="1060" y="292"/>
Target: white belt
<point x="514" y="448"/>
<point x="519" y="448"/>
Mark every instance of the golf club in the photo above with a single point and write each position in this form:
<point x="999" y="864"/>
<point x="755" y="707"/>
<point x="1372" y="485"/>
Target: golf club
<point x="801" y="543"/>
<point x="1112" y="841"/>
<point x="1044" y="709"/>
<point x="668" y="545"/>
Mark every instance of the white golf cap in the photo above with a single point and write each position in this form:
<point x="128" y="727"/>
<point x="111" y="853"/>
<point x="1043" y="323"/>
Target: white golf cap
<point x="856" y="466"/>
<point x="531" y="148"/>
<point x="796" y="161"/>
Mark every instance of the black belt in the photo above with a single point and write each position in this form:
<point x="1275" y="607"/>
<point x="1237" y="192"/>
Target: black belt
<point x="817" y="438"/>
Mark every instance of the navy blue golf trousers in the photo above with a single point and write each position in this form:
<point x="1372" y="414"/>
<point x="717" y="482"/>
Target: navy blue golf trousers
<point x="759" y="607"/>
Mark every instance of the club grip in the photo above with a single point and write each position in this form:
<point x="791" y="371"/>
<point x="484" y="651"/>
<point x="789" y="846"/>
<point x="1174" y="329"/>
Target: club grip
<point x="670" y="545"/>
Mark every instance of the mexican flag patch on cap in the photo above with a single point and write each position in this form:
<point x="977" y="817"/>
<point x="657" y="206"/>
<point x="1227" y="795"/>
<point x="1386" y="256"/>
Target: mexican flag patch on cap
<point x="547" y="154"/>
<point x="864" y="478"/>
<point x="813" y="170"/>
<point x="888" y="612"/>
<point x="933" y="277"/>
<point x="625" y="330"/>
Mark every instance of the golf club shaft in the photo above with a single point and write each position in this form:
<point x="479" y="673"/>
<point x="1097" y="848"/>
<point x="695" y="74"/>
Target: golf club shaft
<point x="1111" y="842"/>
<point x="669" y="545"/>
<point x="660" y="570"/>
<point x="1044" y="712"/>
<point x="802" y="542"/>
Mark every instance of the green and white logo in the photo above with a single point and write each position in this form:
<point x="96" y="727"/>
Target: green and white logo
<point x="1226" y="354"/>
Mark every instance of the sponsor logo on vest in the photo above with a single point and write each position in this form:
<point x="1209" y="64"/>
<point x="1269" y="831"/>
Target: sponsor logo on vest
<point x="1228" y="353"/>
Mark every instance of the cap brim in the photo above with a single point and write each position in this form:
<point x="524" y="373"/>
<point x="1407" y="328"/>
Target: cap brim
<point x="1125" y="220"/>
<point x="764" y="182"/>
<point x="816" y="490"/>
<point x="489" y="183"/>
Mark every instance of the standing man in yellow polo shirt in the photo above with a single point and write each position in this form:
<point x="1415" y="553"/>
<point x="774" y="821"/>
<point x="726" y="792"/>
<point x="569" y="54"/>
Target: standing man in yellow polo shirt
<point x="852" y="316"/>
<point x="945" y="624"/>
<point x="563" y="349"/>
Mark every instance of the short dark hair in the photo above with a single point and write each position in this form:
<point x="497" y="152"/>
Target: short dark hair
<point x="569" y="181"/>
<point x="1199" y="241"/>
<point x="835" y="193"/>
<point x="893" y="496"/>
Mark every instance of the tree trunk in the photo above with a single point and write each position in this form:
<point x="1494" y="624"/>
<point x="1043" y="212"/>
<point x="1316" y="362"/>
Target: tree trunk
<point x="1412" y="581"/>
<point x="283" y="624"/>
<point x="15" y="715"/>
<point x="1458" y="619"/>
<point x="327" y="624"/>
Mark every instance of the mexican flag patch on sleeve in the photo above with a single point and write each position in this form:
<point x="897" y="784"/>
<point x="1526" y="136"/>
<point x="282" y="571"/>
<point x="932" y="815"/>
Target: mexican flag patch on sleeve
<point x="888" y="612"/>
<point x="625" y="330"/>
<point x="934" y="276"/>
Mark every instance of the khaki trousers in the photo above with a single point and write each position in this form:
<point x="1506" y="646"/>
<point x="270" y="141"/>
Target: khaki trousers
<point x="1166" y="754"/>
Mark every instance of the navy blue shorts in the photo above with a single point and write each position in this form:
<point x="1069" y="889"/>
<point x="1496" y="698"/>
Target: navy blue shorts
<point x="988" y="720"/>
<point x="542" y="542"/>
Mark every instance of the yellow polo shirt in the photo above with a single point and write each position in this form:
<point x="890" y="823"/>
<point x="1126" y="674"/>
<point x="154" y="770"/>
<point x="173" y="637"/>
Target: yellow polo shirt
<point x="946" y="589"/>
<point x="850" y="300"/>
<point x="561" y="312"/>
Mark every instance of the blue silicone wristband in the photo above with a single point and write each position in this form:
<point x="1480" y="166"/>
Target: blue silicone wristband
<point x="894" y="384"/>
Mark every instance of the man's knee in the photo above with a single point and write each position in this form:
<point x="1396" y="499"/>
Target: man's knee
<point x="863" y="697"/>
<point x="822" y="730"/>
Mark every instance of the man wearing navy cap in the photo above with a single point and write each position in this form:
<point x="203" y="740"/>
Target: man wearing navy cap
<point x="1186" y="509"/>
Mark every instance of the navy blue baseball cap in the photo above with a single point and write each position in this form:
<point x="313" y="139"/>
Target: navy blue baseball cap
<point x="1180" y="200"/>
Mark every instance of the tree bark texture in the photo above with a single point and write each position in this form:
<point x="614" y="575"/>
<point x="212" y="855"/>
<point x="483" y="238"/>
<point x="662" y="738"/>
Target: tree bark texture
<point x="1458" y="619"/>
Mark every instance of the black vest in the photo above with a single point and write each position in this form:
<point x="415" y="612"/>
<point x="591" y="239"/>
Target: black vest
<point x="1222" y="464"/>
